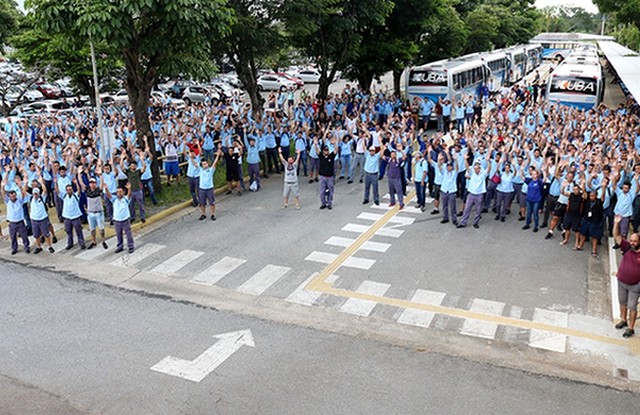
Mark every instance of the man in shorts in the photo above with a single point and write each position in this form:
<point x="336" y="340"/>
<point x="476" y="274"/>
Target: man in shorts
<point x="205" y="186"/>
<point x="290" y="178"/>
<point x="95" y="211"/>
<point x="40" y="219"/>
<point x="628" y="278"/>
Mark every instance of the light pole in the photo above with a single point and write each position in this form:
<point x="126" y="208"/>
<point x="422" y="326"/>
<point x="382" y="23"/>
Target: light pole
<point x="103" y="153"/>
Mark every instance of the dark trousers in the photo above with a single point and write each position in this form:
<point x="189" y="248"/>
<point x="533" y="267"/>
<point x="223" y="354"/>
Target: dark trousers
<point x="18" y="229"/>
<point x="490" y="195"/>
<point x="71" y="225"/>
<point x="272" y="160"/>
<point x="194" y="183"/>
<point x="263" y="161"/>
<point x="371" y="181"/>
<point x="326" y="190"/>
<point x="137" y="197"/>
<point x="109" y="205"/>
<point x="254" y="173"/>
<point x="448" y="205"/>
<point x="420" y="193"/>
<point x="549" y="206"/>
<point x="120" y="228"/>
<point x="148" y="185"/>
<point x="503" y="201"/>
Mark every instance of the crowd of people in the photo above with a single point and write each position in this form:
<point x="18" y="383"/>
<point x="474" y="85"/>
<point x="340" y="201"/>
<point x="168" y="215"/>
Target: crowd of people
<point x="557" y="168"/>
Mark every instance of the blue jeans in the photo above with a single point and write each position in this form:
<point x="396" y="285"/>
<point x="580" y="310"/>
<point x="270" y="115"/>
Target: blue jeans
<point x="532" y="207"/>
<point x="148" y="184"/>
<point x="345" y="161"/>
<point x="420" y="193"/>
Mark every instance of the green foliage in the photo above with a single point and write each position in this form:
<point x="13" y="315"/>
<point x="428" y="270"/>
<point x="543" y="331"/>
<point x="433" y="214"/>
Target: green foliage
<point x="330" y="31"/>
<point x="483" y="28"/>
<point x="445" y="37"/>
<point x="9" y="20"/>
<point x="625" y="11"/>
<point x="629" y="35"/>
<point x="569" y="19"/>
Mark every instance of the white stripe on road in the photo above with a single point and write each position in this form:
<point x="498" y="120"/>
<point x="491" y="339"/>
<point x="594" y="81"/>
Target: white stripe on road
<point x="401" y="220"/>
<point x="306" y="297"/>
<point x="357" y="228"/>
<point x="217" y="271"/>
<point x="364" y="307"/>
<point x="263" y="279"/>
<point x="480" y="328"/>
<point x="406" y="209"/>
<point x="421" y="318"/>
<point x="96" y="251"/>
<point x="138" y="255"/>
<point x="368" y="246"/>
<point x="544" y="339"/>
<point x="176" y="262"/>
<point x="351" y="262"/>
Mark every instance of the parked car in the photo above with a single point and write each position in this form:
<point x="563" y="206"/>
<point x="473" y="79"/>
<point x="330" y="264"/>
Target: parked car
<point x="40" y="107"/>
<point x="65" y="88"/>
<point x="49" y="91"/>
<point x="197" y="93"/>
<point x="121" y="97"/>
<point x="299" y="82"/>
<point x="226" y="90"/>
<point x="309" y="76"/>
<point x="273" y="82"/>
<point x="166" y="99"/>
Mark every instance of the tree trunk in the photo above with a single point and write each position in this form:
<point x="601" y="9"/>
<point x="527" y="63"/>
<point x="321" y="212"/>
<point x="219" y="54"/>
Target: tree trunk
<point x="397" y="74"/>
<point x="247" y="75"/>
<point x="364" y="80"/>
<point x="140" y="81"/>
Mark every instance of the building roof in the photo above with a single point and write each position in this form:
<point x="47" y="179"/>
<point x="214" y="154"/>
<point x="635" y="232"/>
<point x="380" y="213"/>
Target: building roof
<point x="626" y="62"/>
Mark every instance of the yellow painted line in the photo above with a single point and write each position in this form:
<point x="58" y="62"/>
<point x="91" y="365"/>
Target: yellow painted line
<point x="320" y="284"/>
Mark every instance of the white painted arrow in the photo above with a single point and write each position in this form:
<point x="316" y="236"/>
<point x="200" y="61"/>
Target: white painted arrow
<point x="198" y="369"/>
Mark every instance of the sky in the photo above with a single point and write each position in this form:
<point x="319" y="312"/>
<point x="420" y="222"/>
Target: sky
<point x="585" y="4"/>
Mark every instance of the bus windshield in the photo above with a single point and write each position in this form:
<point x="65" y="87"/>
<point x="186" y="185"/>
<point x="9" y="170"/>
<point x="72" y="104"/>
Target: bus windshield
<point x="574" y="84"/>
<point x="428" y="77"/>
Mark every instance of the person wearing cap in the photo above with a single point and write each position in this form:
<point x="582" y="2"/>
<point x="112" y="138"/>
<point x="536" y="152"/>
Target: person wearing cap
<point x="394" y="179"/>
<point x="205" y="185"/>
<point x="39" y="217"/>
<point x="15" y="212"/>
<point x="371" y="171"/>
<point x="95" y="211"/>
<point x="121" y="215"/>
<point x="62" y="180"/>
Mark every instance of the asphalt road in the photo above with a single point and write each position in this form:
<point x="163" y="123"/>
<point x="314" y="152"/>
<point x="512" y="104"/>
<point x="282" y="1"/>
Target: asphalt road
<point x="74" y="347"/>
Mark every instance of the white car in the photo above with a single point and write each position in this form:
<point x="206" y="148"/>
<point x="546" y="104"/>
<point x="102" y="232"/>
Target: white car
<point x="197" y="93"/>
<point x="65" y="87"/>
<point x="121" y="97"/>
<point x="166" y="99"/>
<point x="270" y="82"/>
<point x="30" y="95"/>
<point x="309" y="76"/>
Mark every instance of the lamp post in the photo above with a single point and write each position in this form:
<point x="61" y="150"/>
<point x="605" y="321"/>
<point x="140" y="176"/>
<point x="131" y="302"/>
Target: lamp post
<point x="103" y="153"/>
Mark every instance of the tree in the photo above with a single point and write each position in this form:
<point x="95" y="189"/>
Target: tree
<point x="626" y="11"/>
<point x="13" y="86"/>
<point x="253" y="38"/>
<point x="66" y="56"/>
<point x="330" y="31"/>
<point x="394" y="44"/>
<point x="483" y="29"/>
<point x="153" y="37"/>
<point x="9" y="20"/>
<point x="445" y="37"/>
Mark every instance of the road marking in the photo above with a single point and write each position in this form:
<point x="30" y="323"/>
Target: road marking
<point x="96" y="251"/>
<point x="387" y="196"/>
<point x="144" y="251"/>
<point x="179" y="260"/>
<point x="406" y="209"/>
<point x="357" y="228"/>
<point x="421" y="318"/>
<point x="198" y="369"/>
<point x="351" y="262"/>
<point x="305" y="297"/>
<point x="368" y="246"/>
<point x="613" y="281"/>
<point x="481" y="328"/>
<point x="401" y="220"/>
<point x="511" y="333"/>
<point x="364" y="307"/>
<point x="217" y="271"/>
<point x="263" y="279"/>
<point x="545" y="340"/>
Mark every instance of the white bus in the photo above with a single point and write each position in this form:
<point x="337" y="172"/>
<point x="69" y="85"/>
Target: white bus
<point x="448" y="79"/>
<point x="576" y="85"/>
<point x="499" y="65"/>
<point x="517" y="58"/>
<point x="534" y="57"/>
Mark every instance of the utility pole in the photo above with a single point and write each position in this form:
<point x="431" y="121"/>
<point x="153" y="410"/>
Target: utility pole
<point x="103" y="153"/>
<point x="602" y="27"/>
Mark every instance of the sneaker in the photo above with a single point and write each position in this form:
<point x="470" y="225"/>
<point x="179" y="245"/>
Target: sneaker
<point x="42" y="239"/>
<point x="544" y="225"/>
<point x="460" y="226"/>
<point x="521" y="218"/>
<point x="104" y="245"/>
<point x="497" y="217"/>
<point x="310" y="180"/>
<point x="475" y="225"/>
<point x="68" y="247"/>
<point x="202" y="217"/>
<point x="535" y="229"/>
<point x="27" y="250"/>
<point x="628" y="333"/>
<point x="91" y="245"/>
<point x="621" y="325"/>
<point x="423" y="208"/>
<point x="298" y="207"/>
<point x="485" y="210"/>
<point x="329" y="207"/>
<point x="14" y="251"/>
<point x="51" y="250"/>
<point x="501" y="219"/>
<point x="323" y="207"/>
<point x="460" y="213"/>
<point x="393" y="204"/>
<point x="83" y="247"/>
<point x="143" y="220"/>
<point x="55" y="239"/>
<point x="349" y="181"/>
<point x="401" y="207"/>
<point x="548" y="236"/>
<point x="444" y="221"/>
<point x="435" y="211"/>
<point x="131" y="250"/>
<point x="316" y="180"/>
<point x="118" y="250"/>
<point x="360" y="181"/>
<point x="364" y="202"/>
<point x="525" y="227"/>
<point x="616" y="246"/>
<point x="377" y="203"/>
<point x="37" y="251"/>
<point x="213" y="217"/>
<point x="283" y="207"/>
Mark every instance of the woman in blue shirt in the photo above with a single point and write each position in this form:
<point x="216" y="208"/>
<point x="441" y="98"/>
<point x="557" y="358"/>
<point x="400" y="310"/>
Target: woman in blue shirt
<point x="534" y="197"/>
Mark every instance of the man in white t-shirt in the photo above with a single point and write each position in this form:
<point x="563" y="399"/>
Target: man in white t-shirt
<point x="290" y="179"/>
